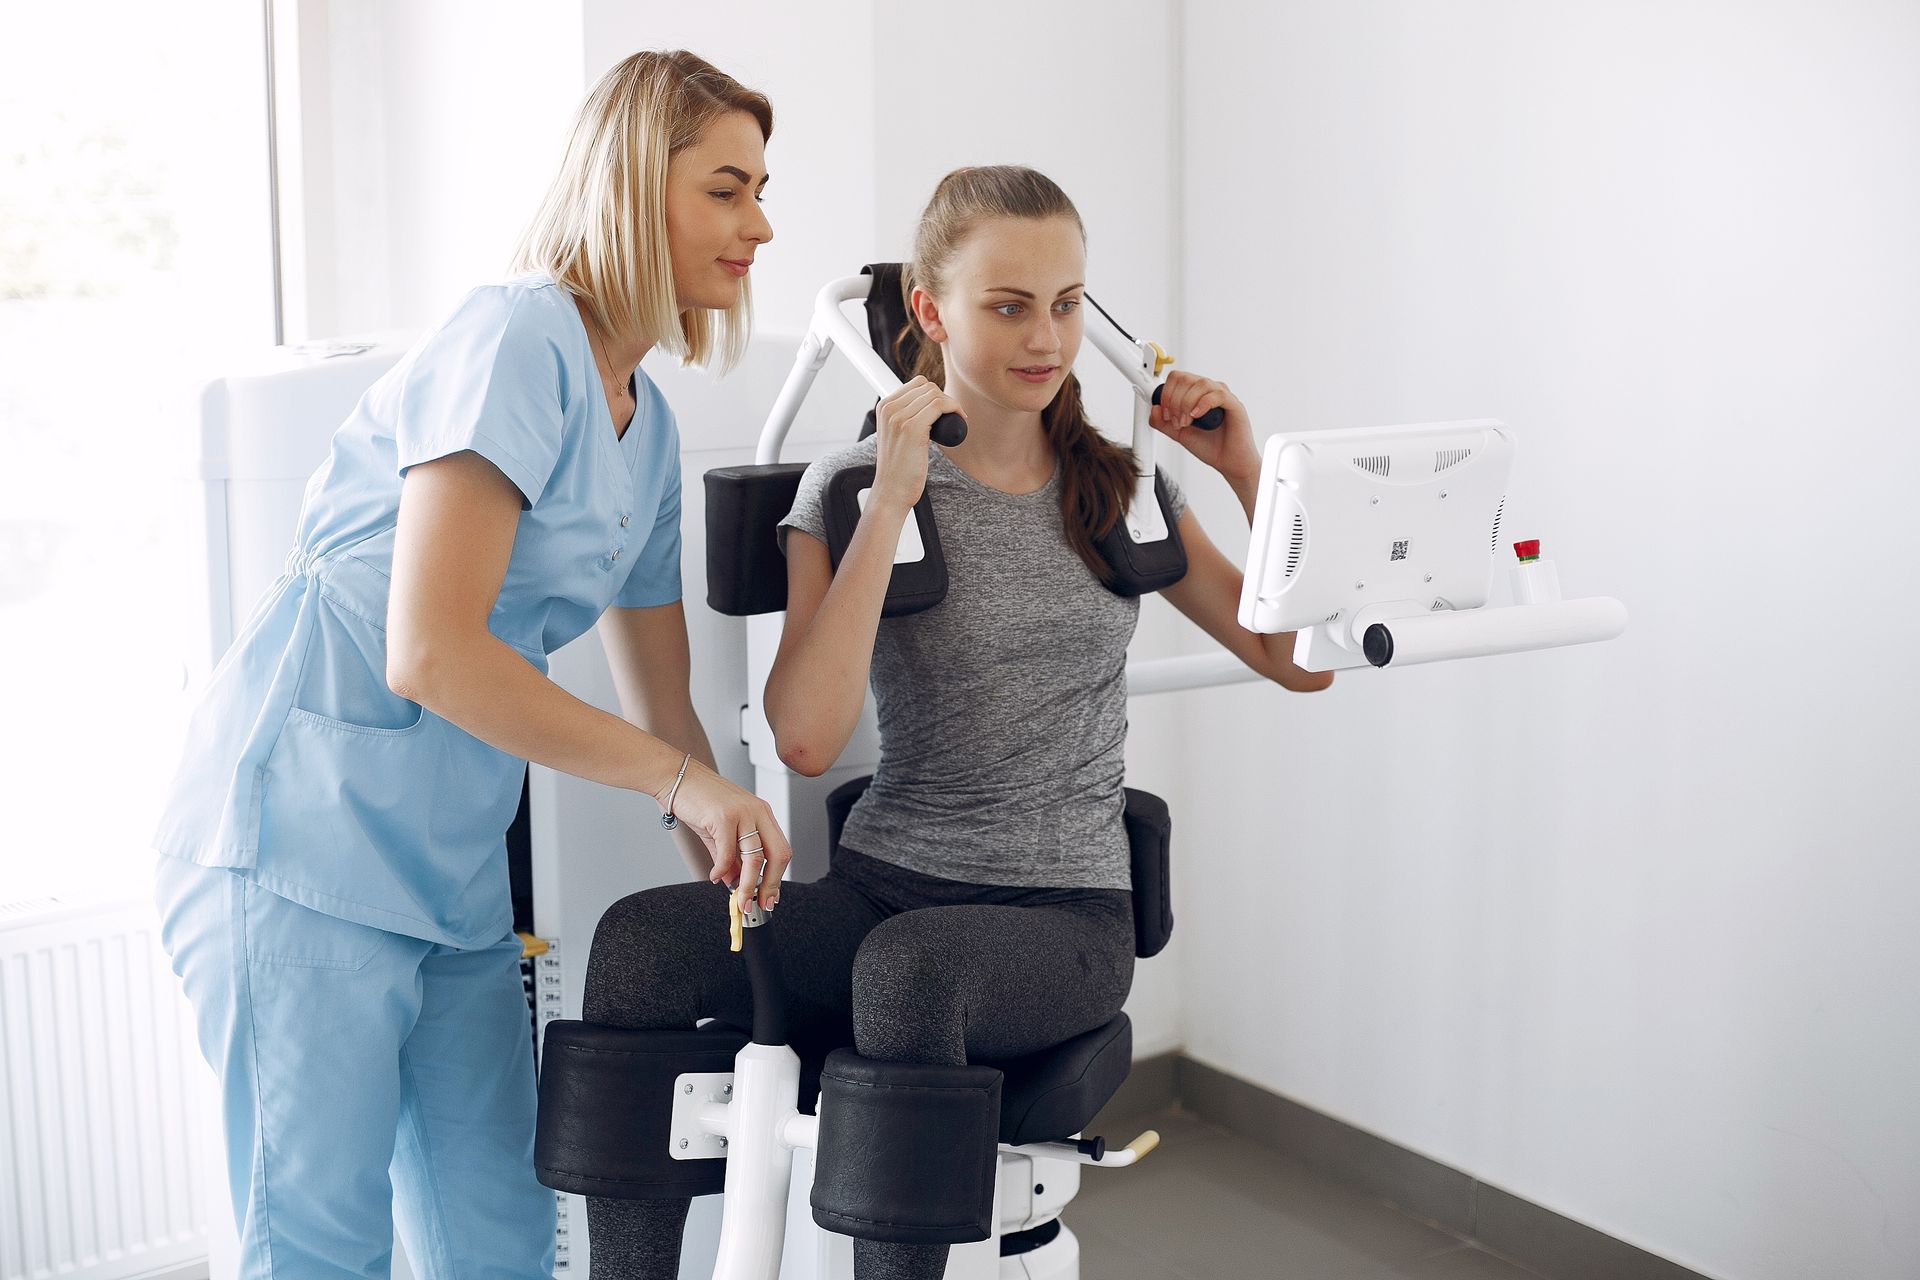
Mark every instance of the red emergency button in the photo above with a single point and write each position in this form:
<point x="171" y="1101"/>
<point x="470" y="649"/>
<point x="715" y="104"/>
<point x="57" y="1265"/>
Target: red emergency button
<point x="1528" y="550"/>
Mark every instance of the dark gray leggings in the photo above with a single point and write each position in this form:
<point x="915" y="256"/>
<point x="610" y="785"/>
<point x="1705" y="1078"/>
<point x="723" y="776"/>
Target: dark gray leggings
<point x="908" y="967"/>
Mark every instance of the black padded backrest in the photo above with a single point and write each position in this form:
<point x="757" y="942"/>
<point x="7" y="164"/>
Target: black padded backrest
<point x="887" y="316"/>
<point x="1149" y="845"/>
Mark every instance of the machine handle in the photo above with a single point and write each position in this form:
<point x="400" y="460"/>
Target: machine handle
<point x="1208" y="421"/>
<point x="749" y="935"/>
<point x="949" y="429"/>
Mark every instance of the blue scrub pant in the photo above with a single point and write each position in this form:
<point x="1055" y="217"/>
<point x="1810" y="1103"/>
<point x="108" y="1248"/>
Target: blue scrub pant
<point x="356" y="1063"/>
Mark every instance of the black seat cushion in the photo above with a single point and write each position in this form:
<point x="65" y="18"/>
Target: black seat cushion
<point x="1053" y="1094"/>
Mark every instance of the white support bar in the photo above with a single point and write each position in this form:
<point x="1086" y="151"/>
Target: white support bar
<point x="801" y="1131"/>
<point x="830" y="329"/>
<point x="1122" y="351"/>
<point x="830" y="321"/>
<point x="812" y="357"/>
<point x="1135" y="362"/>
<point x="1166" y="675"/>
<point x="766" y="1080"/>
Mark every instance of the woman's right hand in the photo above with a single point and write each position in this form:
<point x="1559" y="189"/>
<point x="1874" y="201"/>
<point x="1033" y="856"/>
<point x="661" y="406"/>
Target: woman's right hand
<point x="750" y="853"/>
<point x="904" y="420"/>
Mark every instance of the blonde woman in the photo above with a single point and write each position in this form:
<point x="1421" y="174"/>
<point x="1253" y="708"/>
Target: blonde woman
<point x="333" y="889"/>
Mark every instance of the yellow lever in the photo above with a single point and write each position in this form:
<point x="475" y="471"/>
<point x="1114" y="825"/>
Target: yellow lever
<point x="734" y="920"/>
<point x="1144" y="1143"/>
<point x="531" y="946"/>
<point x="1161" y="358"/>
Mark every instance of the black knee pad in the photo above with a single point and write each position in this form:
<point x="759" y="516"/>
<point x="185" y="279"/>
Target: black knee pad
<point x="606" y="1109"/>
<point x="907" y="1152"/>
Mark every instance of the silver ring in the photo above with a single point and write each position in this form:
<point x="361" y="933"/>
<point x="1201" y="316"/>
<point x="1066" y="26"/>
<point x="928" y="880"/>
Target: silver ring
<point x="746" y="835"/>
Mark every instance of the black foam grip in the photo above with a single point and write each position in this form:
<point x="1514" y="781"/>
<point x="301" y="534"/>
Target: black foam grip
<point x="949" y="429"/>
<point x="762" y="957"/>
<point x="908" y="1151"/>
<point x="1208" y="421"/>
<point x="606" y="1109"/>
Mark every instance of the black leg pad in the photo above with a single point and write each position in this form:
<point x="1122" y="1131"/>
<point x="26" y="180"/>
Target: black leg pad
<point x="606" y="1108"/>
<point x="908" y="1152"/>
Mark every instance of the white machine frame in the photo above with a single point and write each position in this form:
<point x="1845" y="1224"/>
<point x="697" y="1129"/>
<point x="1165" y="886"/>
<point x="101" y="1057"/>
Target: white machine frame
<point x="1318" y="566"/>
<point x="751" y="1116"/>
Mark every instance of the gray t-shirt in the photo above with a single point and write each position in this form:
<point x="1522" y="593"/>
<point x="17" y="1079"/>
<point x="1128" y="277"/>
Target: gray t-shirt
<point x="1003" y="709"/>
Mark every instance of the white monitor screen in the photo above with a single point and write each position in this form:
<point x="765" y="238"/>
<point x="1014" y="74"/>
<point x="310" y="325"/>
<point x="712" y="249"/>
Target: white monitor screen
<point x="1398" y="519"/>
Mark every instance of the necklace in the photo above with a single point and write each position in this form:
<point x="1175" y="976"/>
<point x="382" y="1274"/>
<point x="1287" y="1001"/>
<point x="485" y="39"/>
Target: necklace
<point x="623" y="389"/>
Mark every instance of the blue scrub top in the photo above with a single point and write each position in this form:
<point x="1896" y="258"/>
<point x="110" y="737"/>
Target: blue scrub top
<point x="302" y="770"/>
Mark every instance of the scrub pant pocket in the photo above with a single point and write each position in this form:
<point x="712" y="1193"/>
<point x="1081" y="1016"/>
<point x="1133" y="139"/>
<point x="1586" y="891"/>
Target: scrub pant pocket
<point x="356" y="1063"/>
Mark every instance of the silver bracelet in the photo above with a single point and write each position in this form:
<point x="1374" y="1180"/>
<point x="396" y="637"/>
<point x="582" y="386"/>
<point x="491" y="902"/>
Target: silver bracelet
<point x="667" y="819"/>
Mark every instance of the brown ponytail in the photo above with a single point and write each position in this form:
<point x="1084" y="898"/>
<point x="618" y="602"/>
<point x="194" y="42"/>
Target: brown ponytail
<point x="1096" y="475"/>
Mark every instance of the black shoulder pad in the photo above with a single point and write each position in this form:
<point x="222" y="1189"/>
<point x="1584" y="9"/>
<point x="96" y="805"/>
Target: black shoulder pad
<point x="915" y="585"/>
<point x="1140" y="568"/>
<point x="746" y="574"/>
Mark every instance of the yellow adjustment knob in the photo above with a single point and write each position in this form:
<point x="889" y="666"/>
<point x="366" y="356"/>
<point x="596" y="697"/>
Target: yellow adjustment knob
<point x="1161" y="358"/>
<point x="734" y="918"/>
<point x="1144" y="1143"/>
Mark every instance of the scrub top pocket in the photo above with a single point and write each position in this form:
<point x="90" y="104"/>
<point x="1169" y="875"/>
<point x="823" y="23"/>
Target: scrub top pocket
<point x="343" y="675"/>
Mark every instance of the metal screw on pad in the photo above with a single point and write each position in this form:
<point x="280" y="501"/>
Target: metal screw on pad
<point x="728" y="1090"/>
<point x="683" y="1144"/>
<point x="688" y="1088"/>
<point x="723" y="1142"/>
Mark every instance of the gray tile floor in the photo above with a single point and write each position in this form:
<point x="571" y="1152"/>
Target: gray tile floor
<point x="1209" y="1205"/>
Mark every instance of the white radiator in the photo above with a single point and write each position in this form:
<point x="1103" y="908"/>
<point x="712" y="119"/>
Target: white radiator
<point x="102" y="1126"/>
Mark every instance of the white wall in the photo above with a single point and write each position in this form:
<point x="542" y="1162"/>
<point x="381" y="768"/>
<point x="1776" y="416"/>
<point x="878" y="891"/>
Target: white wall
<point x="416" y="139"/>
<point x="1629" y="931"/>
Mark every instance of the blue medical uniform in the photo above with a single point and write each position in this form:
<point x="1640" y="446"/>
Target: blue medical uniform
<point x="334" y="890"/>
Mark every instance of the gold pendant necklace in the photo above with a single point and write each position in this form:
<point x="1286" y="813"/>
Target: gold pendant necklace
<point x="600" y="354"/>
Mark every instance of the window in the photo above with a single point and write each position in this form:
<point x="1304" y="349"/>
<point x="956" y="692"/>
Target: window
<point x="135" y="260"/>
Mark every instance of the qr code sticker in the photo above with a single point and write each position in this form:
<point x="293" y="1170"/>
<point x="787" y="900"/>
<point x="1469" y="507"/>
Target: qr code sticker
<point x="1399" y="551"/>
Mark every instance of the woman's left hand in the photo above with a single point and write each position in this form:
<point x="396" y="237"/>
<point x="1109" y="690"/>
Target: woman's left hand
<point x="1228" y="448"/>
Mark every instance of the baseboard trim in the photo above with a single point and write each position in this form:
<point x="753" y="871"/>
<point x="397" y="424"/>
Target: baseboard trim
<point x="1536" y="1238"/>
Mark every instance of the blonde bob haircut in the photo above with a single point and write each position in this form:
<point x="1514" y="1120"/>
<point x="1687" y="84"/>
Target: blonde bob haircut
<point x="601" y="230"/>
